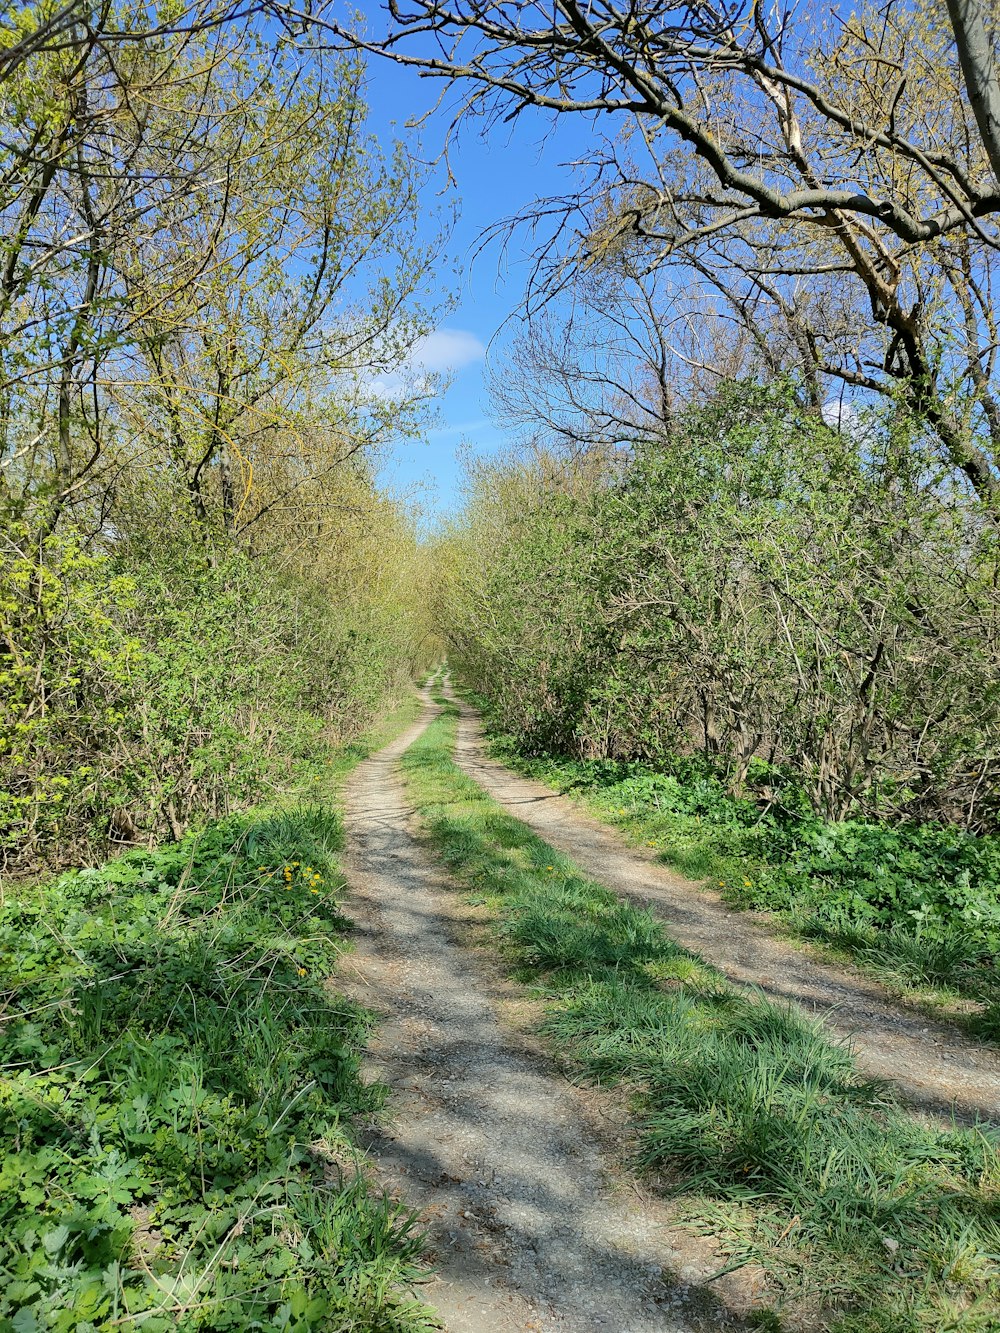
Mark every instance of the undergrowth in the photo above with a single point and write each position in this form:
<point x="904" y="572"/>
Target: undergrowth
<point x="918" y="904"/>
<point x="777" y="1147"/>
<point x="178" y="1081"/>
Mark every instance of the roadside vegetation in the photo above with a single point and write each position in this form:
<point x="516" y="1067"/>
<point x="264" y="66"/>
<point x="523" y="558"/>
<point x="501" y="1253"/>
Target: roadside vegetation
<point x="760" y="1128"/>
<point x="178" y="1083"/>
<point x="768" y="646"/>
<point x="914" y="904"/>
<point x="207" y="263"/>
<point x="206" y="601"/>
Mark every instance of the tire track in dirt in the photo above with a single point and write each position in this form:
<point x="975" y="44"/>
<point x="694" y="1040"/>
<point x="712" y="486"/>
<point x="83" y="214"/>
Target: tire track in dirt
<point x="936" y="1068"/>
<point x="531" y="1225"/>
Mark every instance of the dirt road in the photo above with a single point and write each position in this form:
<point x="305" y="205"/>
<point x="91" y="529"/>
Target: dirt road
<point x="532" y="1224"/>
<point x="518" y="1174"/>
<point x="934" y="1065"/>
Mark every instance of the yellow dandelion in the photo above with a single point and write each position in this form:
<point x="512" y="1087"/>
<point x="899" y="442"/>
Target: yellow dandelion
<point x="301" y="971"/>
<point x="262" y="868"/>
<point x="314" y="890"/>
<point x="747" y="884"/>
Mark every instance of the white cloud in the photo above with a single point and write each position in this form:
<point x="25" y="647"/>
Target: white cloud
<point x="839" y="413"/>
<point x="442" y="352"/>
<point x="446" y="350"/>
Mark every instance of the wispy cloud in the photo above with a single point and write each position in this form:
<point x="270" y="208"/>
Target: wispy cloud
<point x="460" y="428"/>
<point x="447" y="350"/>
<point x="442" y="352"/>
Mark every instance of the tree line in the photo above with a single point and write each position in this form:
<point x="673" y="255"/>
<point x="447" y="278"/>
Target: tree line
<point x="754" y="515"/>
<point x="207" y="262"/>
<point x="812" y="609"/>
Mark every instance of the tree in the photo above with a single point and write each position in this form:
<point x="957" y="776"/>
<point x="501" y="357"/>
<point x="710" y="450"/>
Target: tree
<point x="205" y="268"/>
<point x="830" y="176"/>
<point x="207" y="264"/>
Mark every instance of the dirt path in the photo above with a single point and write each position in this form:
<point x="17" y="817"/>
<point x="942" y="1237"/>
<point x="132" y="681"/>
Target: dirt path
<point x="935" y="1066"/>
<point x="532" y="1226"/>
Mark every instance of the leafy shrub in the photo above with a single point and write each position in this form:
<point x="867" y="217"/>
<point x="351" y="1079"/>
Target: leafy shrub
<point x="142" y="692"/>
<point x="753" y="586"/>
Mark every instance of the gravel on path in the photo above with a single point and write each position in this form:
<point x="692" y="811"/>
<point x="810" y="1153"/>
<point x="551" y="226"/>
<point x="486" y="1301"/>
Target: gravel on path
<point x="936" y="1068"/>
<point x="532" y="1224"/>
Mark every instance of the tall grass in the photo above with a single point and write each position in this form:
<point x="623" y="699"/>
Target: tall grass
<point x="762" y="1127"/>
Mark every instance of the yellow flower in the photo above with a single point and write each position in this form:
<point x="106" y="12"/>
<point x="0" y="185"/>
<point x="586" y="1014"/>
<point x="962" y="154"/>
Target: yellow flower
<point x="301" y="971"/>
<point x="747" y="883"/>
<point x="314" y="890"/>
<point x="262" y="867"/>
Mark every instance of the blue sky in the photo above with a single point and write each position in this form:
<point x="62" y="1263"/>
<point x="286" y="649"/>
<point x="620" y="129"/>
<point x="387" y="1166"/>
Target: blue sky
<point x="494" y="179"/>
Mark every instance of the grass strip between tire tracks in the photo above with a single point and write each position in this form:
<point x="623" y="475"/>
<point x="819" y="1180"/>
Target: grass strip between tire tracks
<point x="915" y="906"/>
<point x="771" y="1139"/>
<point x="177" y="1085"/>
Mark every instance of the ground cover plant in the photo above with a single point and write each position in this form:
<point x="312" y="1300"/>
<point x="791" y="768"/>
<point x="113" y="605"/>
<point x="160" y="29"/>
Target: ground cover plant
<point x="763" y="1129"/>
<point x="918" y="904"/>
<point x="178" y="1082"/>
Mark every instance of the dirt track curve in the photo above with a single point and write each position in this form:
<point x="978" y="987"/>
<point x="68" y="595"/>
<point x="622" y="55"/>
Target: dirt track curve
<point x="532" y="1226"/>
<point x="936" y="1068"/>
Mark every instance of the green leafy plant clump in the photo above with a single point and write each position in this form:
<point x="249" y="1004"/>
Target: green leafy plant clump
<point x="916" y="902"/>
<point x="178" y="1081"/>
<point x="865" y="1219"/>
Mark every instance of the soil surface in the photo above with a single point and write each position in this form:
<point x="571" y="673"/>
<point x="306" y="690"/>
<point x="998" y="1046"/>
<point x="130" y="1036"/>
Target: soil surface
<point x="516" y="1172"/>
<point x="936" y="1068"/>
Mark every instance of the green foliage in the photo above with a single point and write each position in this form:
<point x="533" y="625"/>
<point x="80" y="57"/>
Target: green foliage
<point x="761" y="1128"/>
<point x="145" y="690"/>
<point x="199" y="576"/>
<point x="752" y="585"/>
<point x="177" y="1084"/>
<point x="917" y="902"/>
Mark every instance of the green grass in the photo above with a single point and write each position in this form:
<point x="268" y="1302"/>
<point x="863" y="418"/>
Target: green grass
<point x="762" y="1128"/>
<point x="178" y="1085"/>
<point x="917" y="906"/>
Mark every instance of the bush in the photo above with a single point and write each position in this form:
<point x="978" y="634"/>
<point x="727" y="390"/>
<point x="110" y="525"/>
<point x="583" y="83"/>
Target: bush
<point x="753" y="586"/>
<point x="143" y="692"/>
